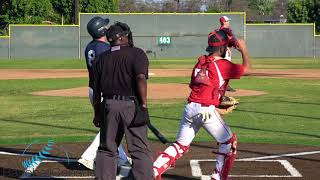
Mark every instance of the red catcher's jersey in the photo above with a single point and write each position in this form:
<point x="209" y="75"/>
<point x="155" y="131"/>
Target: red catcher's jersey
<point x="219" y="71"/>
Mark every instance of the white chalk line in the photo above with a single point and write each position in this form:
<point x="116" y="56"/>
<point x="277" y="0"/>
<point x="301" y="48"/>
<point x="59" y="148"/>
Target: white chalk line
<point x="30" y="155"/>
<point x="28" y="174"/>
<point x="196" y="166"/>
<point x="197" y="172"/>
<point x="281" y="155"/>
<point x="293" y="171"/>
<point x="59" y="177"/>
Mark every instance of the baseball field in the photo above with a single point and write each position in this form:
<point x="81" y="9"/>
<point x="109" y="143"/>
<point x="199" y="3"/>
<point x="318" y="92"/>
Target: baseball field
<point x="277" y="121"/>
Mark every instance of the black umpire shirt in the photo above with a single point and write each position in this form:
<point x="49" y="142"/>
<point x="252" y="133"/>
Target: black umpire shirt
<point x="115" y="73"/>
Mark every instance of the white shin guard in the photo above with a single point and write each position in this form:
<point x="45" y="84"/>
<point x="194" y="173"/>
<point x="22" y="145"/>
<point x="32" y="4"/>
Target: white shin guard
<point x="225" y="157"/>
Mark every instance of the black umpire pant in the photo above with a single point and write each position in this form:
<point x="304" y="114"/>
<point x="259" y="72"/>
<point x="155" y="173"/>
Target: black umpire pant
<point x="118" y="116"/>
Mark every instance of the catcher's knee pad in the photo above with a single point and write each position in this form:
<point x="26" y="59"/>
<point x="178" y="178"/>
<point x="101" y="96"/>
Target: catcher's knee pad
<point x="228" y="151"/>
<point x="167" y="158"/>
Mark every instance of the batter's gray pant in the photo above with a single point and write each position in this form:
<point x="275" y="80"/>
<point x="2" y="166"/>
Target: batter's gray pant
<point x="118" y="115"/>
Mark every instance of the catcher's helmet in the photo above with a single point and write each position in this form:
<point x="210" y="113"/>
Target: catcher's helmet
<point x="97" y="27"/>
<point x="216" y="39"/>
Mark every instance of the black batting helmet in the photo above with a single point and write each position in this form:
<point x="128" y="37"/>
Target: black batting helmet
<point x="97" y="27"/>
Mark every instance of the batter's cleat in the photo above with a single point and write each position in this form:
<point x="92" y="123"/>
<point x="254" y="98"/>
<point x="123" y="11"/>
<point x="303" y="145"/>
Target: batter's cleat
<point x="87" y="163"/>
<point x="215" y="175"/>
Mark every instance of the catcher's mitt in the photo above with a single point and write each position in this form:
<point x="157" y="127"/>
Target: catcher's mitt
<point x="227" y="105"/>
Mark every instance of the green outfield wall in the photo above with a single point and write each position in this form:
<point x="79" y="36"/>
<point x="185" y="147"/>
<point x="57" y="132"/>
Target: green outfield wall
<point x="317" y="46"/>
<point x="44" y="42"/>
<point x="161" y="35"/>
<point x="280" y="40"/>
<point x="4" y="47"/>
<point x="188" y="32"/>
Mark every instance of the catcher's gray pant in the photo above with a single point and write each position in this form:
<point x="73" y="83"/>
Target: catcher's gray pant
<point x="118" y="116"/>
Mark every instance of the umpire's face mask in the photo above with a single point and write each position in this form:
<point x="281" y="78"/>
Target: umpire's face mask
<point x="223" y="51"/>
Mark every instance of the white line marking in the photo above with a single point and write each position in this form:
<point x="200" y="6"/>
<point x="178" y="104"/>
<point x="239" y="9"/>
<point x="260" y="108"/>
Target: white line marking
<point x="48" y="158"/>
<point x="293" y="171"/>
<point x="195" y="167"/>
<point x="59" y="177"/>
<point x="63" y="177"/>
<point x="281" y="155"/>
<point x="14" y="154"/>
<point x="196" y="170"/>
<point x="151" y="74"/>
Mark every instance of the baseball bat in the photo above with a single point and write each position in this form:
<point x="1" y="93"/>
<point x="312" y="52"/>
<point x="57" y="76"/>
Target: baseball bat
<point x="157" y="133"/>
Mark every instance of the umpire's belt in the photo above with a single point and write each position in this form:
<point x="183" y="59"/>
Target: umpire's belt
<point x="120" y="98"/>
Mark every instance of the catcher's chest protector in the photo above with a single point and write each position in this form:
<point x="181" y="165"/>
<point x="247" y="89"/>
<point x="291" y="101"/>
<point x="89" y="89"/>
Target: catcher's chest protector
<point x="204" y="82"/>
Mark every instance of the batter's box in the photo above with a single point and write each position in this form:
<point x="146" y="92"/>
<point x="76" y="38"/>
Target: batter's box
<point x="268" y="164"/>
<point x="67" y="169"/>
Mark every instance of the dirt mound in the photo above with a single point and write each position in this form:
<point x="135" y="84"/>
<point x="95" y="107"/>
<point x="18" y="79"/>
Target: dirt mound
<point x="155" y="91"/>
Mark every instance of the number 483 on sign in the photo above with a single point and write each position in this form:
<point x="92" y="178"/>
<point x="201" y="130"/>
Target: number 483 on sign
<point x="164" y="40"/>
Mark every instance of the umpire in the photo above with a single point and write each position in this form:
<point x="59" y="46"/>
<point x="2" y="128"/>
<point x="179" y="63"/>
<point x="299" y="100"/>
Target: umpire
<point x="120" y="76"/>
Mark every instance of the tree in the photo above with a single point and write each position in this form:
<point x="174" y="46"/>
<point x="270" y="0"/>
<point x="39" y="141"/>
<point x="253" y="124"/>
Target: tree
<point x="99" y="6"/>
<point x="4" y="17"/>
<point x="25" y="12"/>
<point x="128" y="6"/>
<point x="314" y="13"/>
<point x="31" y="12"/>
<point x="304" y="11"/>
<point x="298" y="11"/>
<point x="170" y="6"/>
<point x="264" y="7"/>
<point x="191" y="6"/>
<point x="64" y="8"/>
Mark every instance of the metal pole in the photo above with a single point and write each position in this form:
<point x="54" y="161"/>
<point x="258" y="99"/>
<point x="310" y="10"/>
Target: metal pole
<point x="79" y="43"/>
<point x="9" y="48"/>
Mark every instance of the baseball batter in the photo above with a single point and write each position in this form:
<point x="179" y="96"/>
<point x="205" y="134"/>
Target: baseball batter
<point x="209" y="79"/>
<point x="97" y="28"/>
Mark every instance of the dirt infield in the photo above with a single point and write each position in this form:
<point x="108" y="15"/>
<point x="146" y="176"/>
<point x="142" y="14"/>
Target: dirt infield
<point x="254" y="161"/>
<point x="155" y="91"/>
<point x="77" y="73"/>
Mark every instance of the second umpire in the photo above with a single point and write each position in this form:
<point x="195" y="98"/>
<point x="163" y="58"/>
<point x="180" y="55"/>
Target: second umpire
<point x="120" y="76"/>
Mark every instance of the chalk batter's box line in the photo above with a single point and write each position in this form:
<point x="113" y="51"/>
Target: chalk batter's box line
<point x="197" y="172"/>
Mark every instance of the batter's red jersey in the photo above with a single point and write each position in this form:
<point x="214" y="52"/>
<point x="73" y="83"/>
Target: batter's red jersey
<point x="219" y="72"/>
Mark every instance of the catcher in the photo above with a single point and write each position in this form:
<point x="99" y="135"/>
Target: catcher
<point x="209" y="79"/>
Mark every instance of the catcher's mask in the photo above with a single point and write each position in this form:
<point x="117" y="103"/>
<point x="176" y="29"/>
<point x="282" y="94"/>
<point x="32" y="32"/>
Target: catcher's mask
<point x="216" y="39"/>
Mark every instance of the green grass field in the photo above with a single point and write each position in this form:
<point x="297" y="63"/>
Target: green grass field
<point x="261" y="63"/>
<point x="288" y="114"/>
